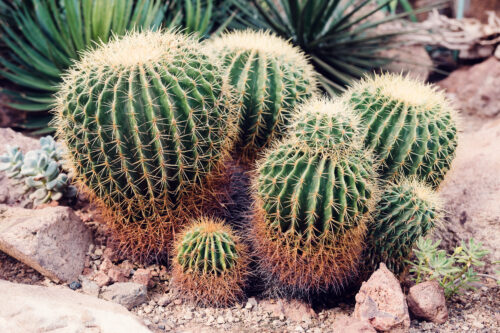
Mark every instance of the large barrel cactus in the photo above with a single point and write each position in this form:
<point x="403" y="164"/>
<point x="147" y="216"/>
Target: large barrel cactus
<point x="145" y="119"/>
<point x="409" y="126"/>
<point x="310" y="214"/>
<point x="210" y="264"/>
<point x="408" y="209"/>
<point x="270" y="77"/>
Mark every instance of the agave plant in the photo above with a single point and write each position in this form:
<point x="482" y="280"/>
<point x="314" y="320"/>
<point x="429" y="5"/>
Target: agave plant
<point x="44" y="37"/>
<point x="340" y="36"/>
<point x="205" y="17"/>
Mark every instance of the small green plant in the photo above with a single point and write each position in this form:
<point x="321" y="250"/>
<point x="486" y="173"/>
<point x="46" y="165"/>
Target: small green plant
<point x="454" y="272"/>
<point x="40" y="170"/>
<point x="12" y="161"/>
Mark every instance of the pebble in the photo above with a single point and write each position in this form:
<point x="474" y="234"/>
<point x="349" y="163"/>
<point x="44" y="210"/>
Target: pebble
<point x="75" y="285"/>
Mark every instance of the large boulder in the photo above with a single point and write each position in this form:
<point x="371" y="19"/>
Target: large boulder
<point x="471" y="190"/>
<point x="381" y="302"/>
<point x="476" y="88"/>
<point x="26" y="308"/>
<point x="426" y="300"/>
<point x="52" y="240"/>
<point x="128" y="294"/>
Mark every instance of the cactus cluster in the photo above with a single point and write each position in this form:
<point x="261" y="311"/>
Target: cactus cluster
<point x="146" y="120"/>
<point x="410" y="127"/>
<point x="210" y="264"/>
<point x="149" y="119"/>
<point x="270" y="78"/>
<point x="40" y="170"/>
<point x="407" y="210"/>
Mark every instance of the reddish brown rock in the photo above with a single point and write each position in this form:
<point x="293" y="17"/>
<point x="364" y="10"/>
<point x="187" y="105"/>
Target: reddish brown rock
<point x="106" y="265"/>
<point x="142" y="276"/>
<point x="476" y="88"/>
<point x="101" y="278"/>
<point x="426" y="300"/>
<point x="381" y="302"/>
<point x="116" y="274"/>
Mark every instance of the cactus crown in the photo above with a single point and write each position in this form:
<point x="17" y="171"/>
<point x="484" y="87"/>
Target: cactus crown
<point x="146" y="121"/>
<point x="210" y="265"/>
<point x="270" y="77"/>
<point x="326" y="124"/>
<point x="408" y="210"/>
<point x="410" y="126"/>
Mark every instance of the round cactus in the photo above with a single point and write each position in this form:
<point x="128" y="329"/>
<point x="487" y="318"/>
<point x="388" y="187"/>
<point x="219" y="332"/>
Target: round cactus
<point x="407" y="210"/>
<point x="409" y="126"/>
<point x="310" y="215"/>
<point x="210" y="265"/>
<point x="324" y="124"/>
<point x="145" y="120"/>
<point x="270" y="77"/>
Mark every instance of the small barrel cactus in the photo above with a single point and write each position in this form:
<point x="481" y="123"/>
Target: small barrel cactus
<point x="12" y="161"/>
<point x="270" y="77"/>
<point x="210" y="264"/>
<point x="410" y="126"/>
<point x="324" y="124"/>
<point x="407" y="210"/>
<point x="43" y="174"/>
<point x="146" y="121"/>
<point x="310" y="215"/>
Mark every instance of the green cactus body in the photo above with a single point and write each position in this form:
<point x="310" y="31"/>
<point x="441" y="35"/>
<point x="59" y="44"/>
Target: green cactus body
<point x="271" y="77"/>
<point x="324" y="124"/>
<point x="210" y="264"/>
<point x="409" y="126"/>
<point x="408" y="209"/>
<point x="145" y="120"/>
<point x="311" y="210"/>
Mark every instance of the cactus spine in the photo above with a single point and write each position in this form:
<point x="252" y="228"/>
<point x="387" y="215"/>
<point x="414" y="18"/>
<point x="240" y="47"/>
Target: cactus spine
<point x="145" y="119"/>
<point x="310" y="214"/>
<point x="271" y="77"/>
<point x="210" y="265"/>
<point x="409" y="126"/>
<point x="408" y="210"/>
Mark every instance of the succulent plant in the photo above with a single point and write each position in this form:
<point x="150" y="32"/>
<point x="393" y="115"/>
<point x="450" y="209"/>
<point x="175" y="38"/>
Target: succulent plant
<point x="408" y="209"/>
<point x="343" y="38"/>
<point x="210" y="264"/>
<point x="43" y="175"/>
<point x="409" y="126"/>
<point x="12" y="162"/>
<point x="326" y="124"/>
<point x="310" y="215"/>
<point x="270" y="77"/>
<point x="43" y="38"/>
<point x="53" y="149"/>
<point x="147" y="121"/>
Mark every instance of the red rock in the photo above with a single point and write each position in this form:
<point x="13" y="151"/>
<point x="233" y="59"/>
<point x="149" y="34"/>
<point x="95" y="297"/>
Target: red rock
<point x="426" y="300"/>
<point x="142" y="276"/>
<point x="381" y="302"/>
<point x="101" y="279"/>
<point x="106" y="265"/>
<point x="116" y="274"/>
<point x="110" y="254"/>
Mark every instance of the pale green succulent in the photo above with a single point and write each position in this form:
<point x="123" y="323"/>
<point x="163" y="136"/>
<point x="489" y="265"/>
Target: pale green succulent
<point x="43" y="174"/>
<point x="12" y="161"/>
<point x="53" y="149"/>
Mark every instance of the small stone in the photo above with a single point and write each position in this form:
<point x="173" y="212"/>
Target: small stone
<point x="89" y="287"/>
<point x="220" y="320"/>
<point x="347" y="324"/>
<point x="251" y="303"/>
<point x="178" y="302"/>
<point x="109" y="254"/>
<point x="477" y="324"/>
<point x="106" y="265"/>
<point x="116" y="274"/>
<point x="165" y="300"/>
<point x="142" y="276"/>
<point x="102" y="279"/>
<point x="128" y="294"/>
<point x="98" y="252"/>
<point x="188" y="316"/>
<point x="426" y="300"/>
<point x="299" y="328"/>
<point x="75" y="285"/>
